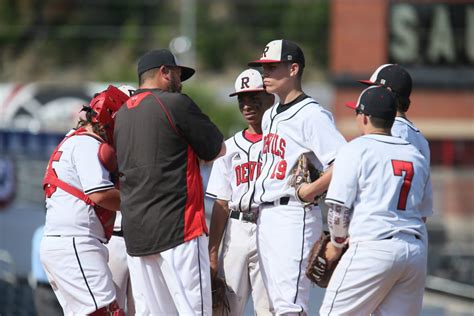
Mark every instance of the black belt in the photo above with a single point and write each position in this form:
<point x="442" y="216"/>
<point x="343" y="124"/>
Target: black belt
<point x="244" y="216"/>
<point x="416" y="236"/>
<point x="283" y="201"/>
<point x="118" y="233"/>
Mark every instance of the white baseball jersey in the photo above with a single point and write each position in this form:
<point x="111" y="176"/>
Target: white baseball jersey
<point x="305" y="127"/>
<point x="233" y="175"/>
<point x="77" y="164"/>
<point x="386" y="182"/>
<point x="405" y="129"/>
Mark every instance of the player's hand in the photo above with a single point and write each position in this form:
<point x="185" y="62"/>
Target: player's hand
<point x="332" y="252"/>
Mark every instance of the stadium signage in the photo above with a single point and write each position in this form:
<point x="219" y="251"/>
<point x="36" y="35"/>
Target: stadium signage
<point x="439" y="33"/>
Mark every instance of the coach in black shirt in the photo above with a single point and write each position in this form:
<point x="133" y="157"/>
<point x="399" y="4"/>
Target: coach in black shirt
<point x="160" y="137"/>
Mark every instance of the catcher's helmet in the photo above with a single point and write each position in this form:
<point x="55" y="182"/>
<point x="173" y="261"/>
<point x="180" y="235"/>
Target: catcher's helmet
<point x="104" y="106"/>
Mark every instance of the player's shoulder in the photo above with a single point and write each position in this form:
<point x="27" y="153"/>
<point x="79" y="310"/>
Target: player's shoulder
<point x="173" y="101"/>
<point x="408" y="131"/>
<point x="350" y="152"/>
<point x="309" y="104"/>
<point x="313" y="109"/>
<point x="402" y="122"/>
<point x="403" y="127"/>
<point x="179" y="97"/>
<point x="230" y="142"/>
<point x="85" y="139"/>
<point x="356" y="144"/>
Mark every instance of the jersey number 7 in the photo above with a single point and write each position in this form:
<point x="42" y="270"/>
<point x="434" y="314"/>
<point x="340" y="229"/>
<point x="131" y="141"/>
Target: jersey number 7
<point x="398" y="167"/>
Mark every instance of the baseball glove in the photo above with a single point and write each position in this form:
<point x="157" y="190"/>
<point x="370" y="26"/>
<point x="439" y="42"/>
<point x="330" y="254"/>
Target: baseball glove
<point x="303" y="172"/>
<point x="320" y="269"/>
<point x="220" y="301"/>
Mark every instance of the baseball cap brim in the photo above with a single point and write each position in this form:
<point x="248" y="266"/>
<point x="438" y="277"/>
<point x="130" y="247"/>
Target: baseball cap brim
<point x="186" y="72"/>
<point x="368" y="82"/>
<point x="351" y="104"/>
<point x="246" y="91"/>
<point x="257" y="63"/>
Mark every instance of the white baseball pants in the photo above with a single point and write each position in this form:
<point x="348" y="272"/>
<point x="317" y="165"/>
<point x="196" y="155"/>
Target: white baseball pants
<point x="383" y="278"/>
<point x="241" y="268"/>
<point x="77" y="270"/>
<point x="176" y="281"/>
<point x="285" y="235"/>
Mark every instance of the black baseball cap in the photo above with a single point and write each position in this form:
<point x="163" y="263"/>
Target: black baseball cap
<point x="376" y="101"/>
<point x="393" y="76"/>
<point x="162" y="57"/>
<point x="279" y="51"/>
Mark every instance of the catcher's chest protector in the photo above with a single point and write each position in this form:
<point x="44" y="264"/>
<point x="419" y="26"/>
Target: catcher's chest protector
<point x="51" y="181"/>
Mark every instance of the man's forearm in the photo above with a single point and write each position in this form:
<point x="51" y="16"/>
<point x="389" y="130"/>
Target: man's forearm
<point x="220" y="214"/>
<point x="309" y="191"/>
<point x="338" y="223"/>
<point x="108" y="199"/>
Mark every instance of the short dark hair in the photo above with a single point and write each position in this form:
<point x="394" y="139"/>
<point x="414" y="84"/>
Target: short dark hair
<point x="403" y="103"/>
<point x="378" y="122"/>
<point x="147" y="75"/>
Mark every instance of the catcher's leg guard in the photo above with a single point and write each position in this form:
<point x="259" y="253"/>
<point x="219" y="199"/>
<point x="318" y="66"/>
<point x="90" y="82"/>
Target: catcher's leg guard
<point x="112" y="309"/>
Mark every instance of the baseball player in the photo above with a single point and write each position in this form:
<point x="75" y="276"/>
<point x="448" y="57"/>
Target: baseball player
<point x="230" y="183"/>
<point x="118" y="254"/>
<point x="289" y="222"/>
<point x="80" y="200"/>
<point x="161" y="135"/>
<point x="396" y="78"/>
<point x="379" y="193"/>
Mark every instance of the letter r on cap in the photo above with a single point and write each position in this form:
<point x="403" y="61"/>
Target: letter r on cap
<point x="245" y="82"/>
<point x="265" y="50"/>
